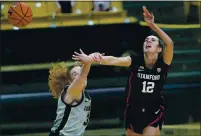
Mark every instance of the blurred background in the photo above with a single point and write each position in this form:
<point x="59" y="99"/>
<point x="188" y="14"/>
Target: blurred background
<point x="116" y="28"/>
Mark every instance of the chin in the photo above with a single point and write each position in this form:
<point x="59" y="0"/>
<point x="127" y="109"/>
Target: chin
<point x="146" y="51"/>
<point x="149" y="51"/>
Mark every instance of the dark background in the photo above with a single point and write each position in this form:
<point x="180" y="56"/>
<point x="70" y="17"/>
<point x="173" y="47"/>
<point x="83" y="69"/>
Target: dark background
<point x="51" y="45"/>
<point x="25" y="98"/>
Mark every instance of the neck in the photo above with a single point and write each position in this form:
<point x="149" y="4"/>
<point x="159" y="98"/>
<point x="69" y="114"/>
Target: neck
<point x="150" y="59"/>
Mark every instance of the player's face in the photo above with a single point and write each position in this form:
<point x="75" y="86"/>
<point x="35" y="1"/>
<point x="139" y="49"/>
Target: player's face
<point x="75" y="72"/>
<point x="151" y="45"/>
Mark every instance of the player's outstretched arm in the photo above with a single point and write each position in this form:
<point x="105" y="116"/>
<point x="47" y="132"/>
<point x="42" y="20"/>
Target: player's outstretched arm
<point x="111" y="60"/>
<point x="115" y="61"/>
<point x="75" y="89"/>
<point x="169" y="45"/>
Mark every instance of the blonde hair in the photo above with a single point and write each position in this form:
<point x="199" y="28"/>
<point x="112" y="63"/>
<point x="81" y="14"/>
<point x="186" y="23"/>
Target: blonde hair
<point x="58" y="73"/>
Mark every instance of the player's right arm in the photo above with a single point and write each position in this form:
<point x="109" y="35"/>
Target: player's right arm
<point x="111" y="60"/>
<point x="116" y="61"/>
<point x="74" y="91"/>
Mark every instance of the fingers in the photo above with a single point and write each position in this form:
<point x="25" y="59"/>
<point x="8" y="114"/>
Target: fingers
<point x="78" y="54"/>
<point x="144" y="8"/>
<point x="102" y="54"/>
<point x="95" y="57"/>
<point x="150" y="15"/>
<point x="146" y="12"/>
<point x="82" y="51"/>
<point x="99" y="56"/>
<point x="75" y="58"/>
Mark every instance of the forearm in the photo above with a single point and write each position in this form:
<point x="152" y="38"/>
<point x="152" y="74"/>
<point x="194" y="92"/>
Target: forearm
<point x="169" y="45"/>
<point x="85" y="70"/>
<point x="111" y="60"/>
<point x="79" y="83"/>
<point x="166" y="39"/>
<point x="108" y="60"/>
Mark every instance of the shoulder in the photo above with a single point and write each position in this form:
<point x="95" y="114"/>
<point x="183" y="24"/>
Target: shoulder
<point x="67" y="100"/>
<point x="136" y="59"/>
<point x="162" y="64"/>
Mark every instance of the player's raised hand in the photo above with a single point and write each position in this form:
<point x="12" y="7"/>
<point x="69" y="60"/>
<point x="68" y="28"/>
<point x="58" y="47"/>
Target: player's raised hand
<point x="82" y="57"/>
<point x="97" y="57"/>
<point x="148" y="17"/>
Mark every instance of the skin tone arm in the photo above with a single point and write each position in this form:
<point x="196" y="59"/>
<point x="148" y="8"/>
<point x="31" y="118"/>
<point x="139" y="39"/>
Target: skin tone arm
<point x="75" y="89"/>
<point x="116" y="61"/>
<point x="169" y="45"/>
<point x="110" y="60"/>
<point x="126" y="61"/>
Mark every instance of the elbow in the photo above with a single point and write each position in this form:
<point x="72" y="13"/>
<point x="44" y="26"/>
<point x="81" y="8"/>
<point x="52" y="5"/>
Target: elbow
<point x="80" y="80"/>
<point x="172" y="43"/>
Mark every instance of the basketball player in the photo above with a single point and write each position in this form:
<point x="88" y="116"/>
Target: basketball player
<point x="144" y="111"/>
<point x="67" y="84"/>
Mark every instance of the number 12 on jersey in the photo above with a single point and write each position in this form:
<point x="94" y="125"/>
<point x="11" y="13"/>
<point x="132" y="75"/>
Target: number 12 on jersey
<point x="148" y="87"/>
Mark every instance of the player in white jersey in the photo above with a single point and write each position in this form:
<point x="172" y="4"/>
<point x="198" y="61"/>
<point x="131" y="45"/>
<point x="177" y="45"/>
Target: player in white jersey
<point x="67" y="84"/>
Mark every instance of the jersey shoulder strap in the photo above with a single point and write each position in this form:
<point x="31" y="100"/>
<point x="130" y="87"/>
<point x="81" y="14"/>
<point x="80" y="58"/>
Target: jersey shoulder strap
<point x="163" y="64"/>
<point x="63" y="95"/>
<point x="135" y="60"/>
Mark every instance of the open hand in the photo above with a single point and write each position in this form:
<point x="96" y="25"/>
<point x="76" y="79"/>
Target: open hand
<point x="148" y="17"/>
<point x="82" y="57"/>
<point x="97" y="57"/>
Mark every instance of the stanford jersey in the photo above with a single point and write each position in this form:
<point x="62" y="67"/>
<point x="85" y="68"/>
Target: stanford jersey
<point x="144" y="94"/>
<point x="145" y="85"/>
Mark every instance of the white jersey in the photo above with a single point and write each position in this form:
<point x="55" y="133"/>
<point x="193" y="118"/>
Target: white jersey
<point x="72" y="120"/>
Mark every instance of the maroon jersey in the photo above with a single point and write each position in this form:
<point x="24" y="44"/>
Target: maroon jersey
<point x="144" y="85"/>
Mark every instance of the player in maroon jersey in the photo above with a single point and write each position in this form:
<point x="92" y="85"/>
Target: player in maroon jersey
<point x="144" y="111"/>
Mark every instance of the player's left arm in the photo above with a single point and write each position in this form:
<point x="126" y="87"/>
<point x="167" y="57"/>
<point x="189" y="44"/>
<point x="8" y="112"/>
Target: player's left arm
<point x="169" y="45"/>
